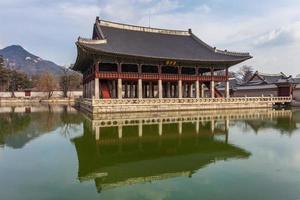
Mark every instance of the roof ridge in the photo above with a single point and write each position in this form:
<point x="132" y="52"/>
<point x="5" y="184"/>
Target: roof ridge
<point x="268" y="74"/>
<point x="141" y="28"/>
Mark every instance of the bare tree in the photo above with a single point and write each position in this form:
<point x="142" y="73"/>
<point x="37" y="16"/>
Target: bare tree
<point x="70" y="80"/>
<point x="47" y="83"/>
<point x="244" y="73"/>
<point x="65" y="81"/>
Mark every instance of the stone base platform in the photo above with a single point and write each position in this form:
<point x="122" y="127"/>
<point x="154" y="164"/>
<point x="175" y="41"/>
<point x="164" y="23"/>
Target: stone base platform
<point x="95" y="106"/>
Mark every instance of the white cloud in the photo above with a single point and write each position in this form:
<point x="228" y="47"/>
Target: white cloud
<point x="80" y="12"/>
<point x="282" y="36"/>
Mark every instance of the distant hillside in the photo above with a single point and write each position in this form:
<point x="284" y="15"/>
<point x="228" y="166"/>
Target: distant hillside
<point x="20" y="59"/>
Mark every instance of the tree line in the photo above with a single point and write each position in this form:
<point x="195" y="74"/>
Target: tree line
<point x="12" y="80"/>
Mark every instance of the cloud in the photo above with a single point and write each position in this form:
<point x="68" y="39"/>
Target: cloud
<point x="80" y="12"/>
<point x="279" y="37"/>
<point x="270" y="32"/>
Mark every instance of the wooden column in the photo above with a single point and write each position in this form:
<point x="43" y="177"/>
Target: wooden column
<point x="179" y="84"/>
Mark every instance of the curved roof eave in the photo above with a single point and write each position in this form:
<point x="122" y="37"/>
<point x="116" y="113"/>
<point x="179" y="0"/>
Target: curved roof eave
<point x="97" y="51"/>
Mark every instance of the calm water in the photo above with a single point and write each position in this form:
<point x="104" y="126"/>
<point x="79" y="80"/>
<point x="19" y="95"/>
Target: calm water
<point x="58" y="153"/>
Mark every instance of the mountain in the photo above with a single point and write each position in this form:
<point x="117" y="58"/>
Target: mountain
<point x="20" y="59"/>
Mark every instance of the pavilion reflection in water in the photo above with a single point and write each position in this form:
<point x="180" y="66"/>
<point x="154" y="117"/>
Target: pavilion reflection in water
<point x="120" y="150"/>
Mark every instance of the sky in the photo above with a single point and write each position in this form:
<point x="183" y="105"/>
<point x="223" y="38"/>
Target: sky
<point x="268" y="29"/>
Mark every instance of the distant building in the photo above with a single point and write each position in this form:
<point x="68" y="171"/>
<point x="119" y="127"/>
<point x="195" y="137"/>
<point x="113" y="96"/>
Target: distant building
<point x="262" y="84"/>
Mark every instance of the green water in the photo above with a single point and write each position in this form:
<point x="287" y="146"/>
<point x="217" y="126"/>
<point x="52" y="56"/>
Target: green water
<point x="58" y="153"/>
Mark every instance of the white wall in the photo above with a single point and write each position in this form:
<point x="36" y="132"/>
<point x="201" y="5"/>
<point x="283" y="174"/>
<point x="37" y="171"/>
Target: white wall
<point x="56" y="94"/>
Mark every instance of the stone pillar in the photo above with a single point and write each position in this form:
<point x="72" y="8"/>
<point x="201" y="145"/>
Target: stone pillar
<point x="160" y="90"/>
<point x="90" y="89"/>
<point x="201" y="90"/>
<point x="131" y="90"/>
<point x="150" y="90"/>
<point x="227" y="95"/>
<point x="140" y="89"/>
<point x="197" y="89"/>
<point x="168" y="89"/>
<point x="113" y="89"/>
<point x="191" y="90"/>
<point x="212" y="89"/>
<point x="97" y="92"/>
<point x="119" y="88"/>
<point x="180" y="89"/>
<point x="93" y="88"/>
<point x="212" y="84"/>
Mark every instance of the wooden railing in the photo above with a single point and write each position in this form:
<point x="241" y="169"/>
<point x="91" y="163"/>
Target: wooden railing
<point x="272" y="100"/>
<point x="152" y="76"/>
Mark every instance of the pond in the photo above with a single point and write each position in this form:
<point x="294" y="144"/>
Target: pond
<point x="56" y="152"/>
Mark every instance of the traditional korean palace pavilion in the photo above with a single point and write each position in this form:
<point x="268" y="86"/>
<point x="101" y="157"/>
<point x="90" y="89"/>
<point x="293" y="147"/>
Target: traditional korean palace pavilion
<point x="132" y="62"/>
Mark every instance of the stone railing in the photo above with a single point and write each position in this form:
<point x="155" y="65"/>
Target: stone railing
<point x="187" y="100"/>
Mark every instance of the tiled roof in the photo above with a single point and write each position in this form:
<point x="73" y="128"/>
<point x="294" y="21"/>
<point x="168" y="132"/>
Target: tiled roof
<point x="122" y="39"/>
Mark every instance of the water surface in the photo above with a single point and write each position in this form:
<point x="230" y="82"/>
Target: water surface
<point x="55" y="152"/>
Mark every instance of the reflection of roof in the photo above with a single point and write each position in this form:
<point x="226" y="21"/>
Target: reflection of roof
<point x="284" y="124"/>
<point x="128" y="40"/>
<point x="118" y="164"/>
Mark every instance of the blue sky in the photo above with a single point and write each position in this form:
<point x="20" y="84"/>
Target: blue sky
<point x="268" y="29"/>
